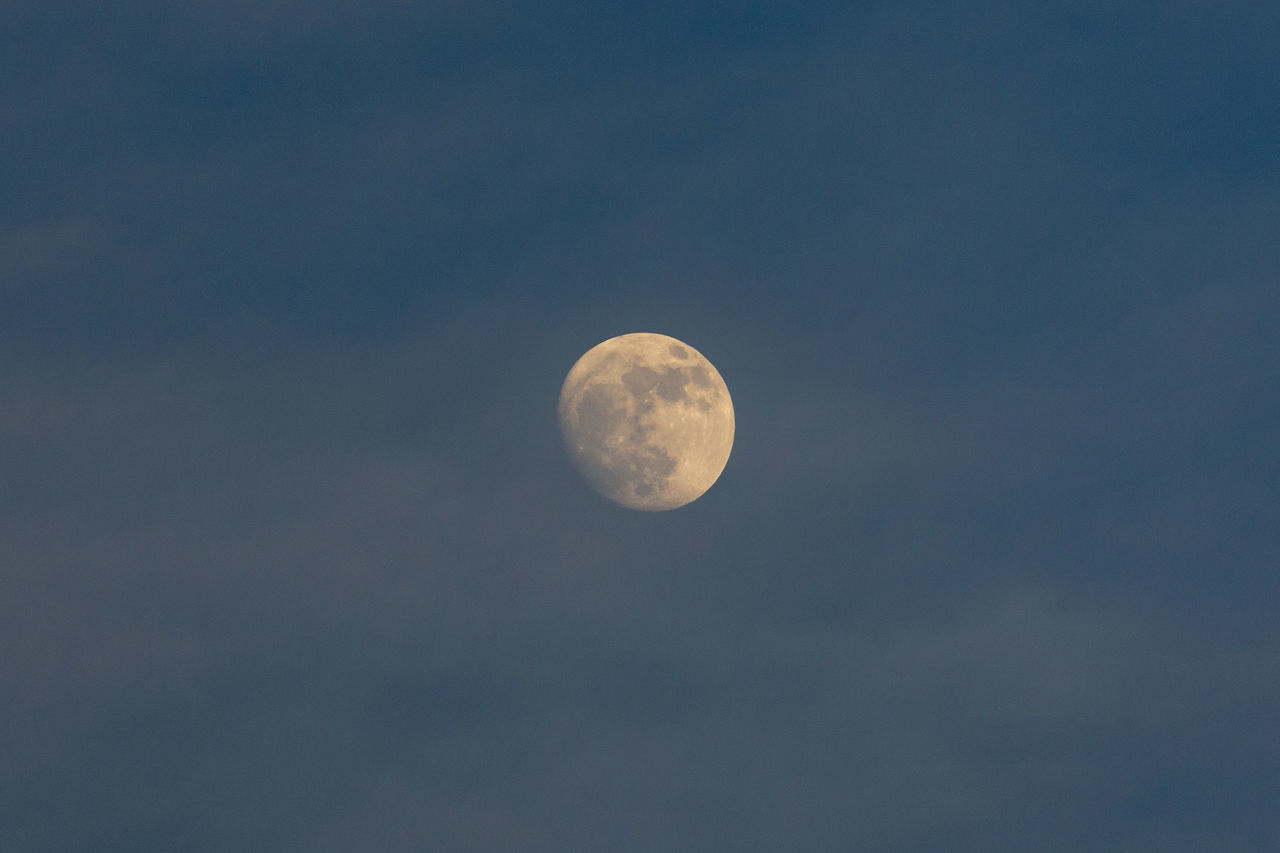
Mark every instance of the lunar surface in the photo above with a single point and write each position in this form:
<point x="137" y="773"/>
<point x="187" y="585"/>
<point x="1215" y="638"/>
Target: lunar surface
<point x="647" y="420"/>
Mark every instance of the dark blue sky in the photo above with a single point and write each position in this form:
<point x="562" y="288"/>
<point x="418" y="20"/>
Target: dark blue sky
<point x="291" y="555"/>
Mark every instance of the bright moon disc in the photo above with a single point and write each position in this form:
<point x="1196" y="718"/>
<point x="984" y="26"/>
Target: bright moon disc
<point x="647" y="420"/>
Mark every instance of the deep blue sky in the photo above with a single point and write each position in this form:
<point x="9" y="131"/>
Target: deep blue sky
<point x="291" y="557"/>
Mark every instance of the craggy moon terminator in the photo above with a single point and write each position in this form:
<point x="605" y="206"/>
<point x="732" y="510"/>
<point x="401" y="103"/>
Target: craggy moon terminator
<point x="647" y="420"/>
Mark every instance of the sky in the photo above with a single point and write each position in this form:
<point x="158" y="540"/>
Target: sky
<point x="292" y="557"/>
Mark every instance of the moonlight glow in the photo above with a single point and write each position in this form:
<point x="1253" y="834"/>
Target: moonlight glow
<point x="647" y="420"/>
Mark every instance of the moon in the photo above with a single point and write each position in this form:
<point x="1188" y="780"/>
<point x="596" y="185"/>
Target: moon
<point x="647" y="420"/>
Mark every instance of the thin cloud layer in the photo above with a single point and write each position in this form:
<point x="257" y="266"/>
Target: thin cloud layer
<point x="293" y="557"/>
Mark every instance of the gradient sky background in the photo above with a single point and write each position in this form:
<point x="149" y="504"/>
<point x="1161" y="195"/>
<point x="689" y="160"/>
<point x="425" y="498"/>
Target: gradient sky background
<point x="291" y="557"/>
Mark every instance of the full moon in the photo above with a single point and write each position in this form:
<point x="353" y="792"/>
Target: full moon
<point x="647" y="420"/>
